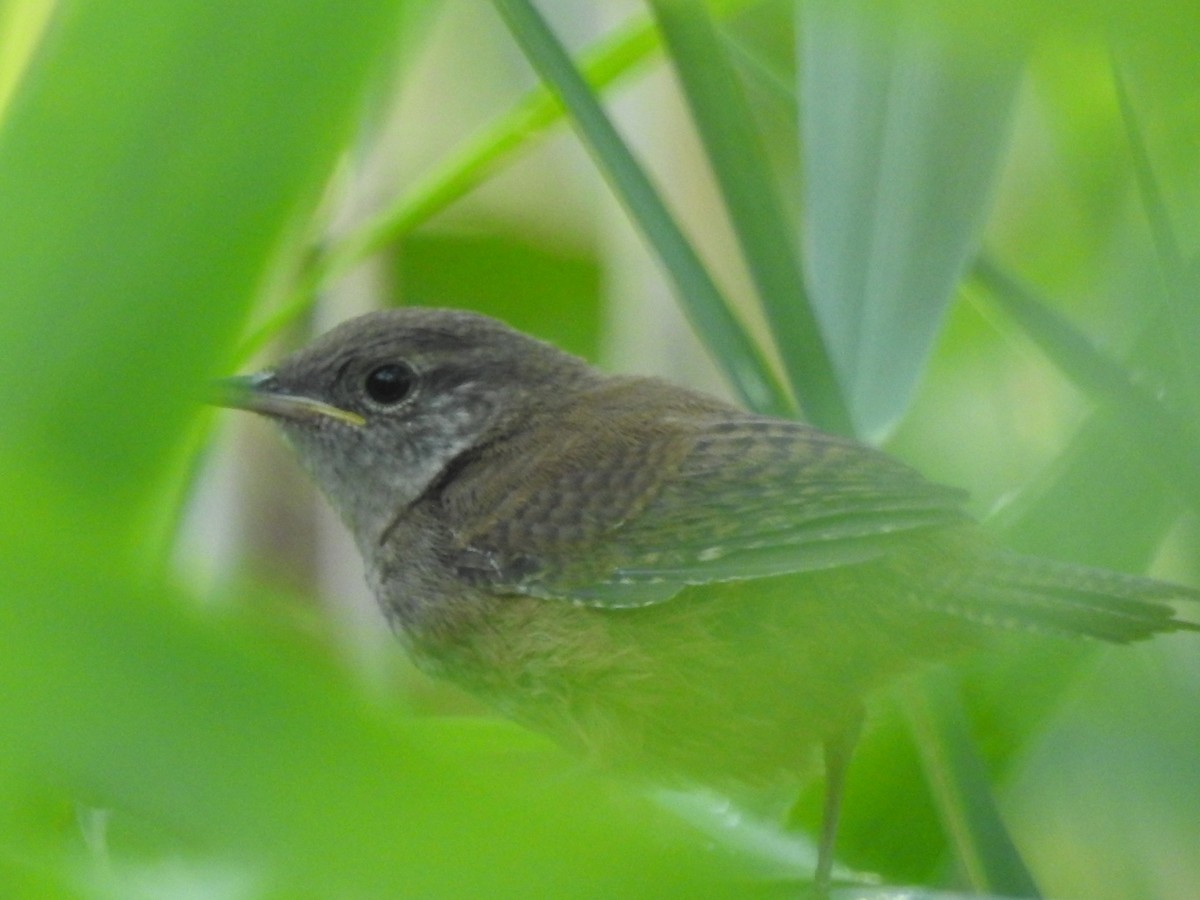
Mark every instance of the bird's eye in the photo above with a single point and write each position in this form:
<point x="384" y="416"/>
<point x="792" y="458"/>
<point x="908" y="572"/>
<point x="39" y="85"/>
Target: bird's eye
<point x="390" y="383"/>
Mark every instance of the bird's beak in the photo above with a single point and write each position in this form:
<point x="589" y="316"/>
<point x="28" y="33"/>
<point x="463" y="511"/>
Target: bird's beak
<point x="261" y="394"/>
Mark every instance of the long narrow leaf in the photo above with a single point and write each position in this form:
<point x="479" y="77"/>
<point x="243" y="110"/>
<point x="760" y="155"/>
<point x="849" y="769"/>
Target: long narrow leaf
<point x="739" y="162"/>
<point x="960" y="785"/>
<point x="724" y="335"/>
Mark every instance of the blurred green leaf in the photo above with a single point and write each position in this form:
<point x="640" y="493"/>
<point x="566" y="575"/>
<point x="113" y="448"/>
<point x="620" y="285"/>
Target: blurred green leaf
<point x="1183" y="310"/>
<point x="903" y="133"/>
<point x="21" y="878"/>
<point x="21" y="25"/>
<point x="1144" y="419"/>
<point x="1122" y="750"/>
<point x="1103" y="502"/>
<point x="111" y="687"/>
<point x="552" y="293"/>
<point x="150" y="166"/>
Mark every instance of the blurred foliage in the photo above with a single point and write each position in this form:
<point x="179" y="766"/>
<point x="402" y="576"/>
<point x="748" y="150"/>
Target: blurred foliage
<point x="508" y="277"/>
<point x="166" y="174"/>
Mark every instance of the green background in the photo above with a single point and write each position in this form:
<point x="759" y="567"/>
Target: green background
<point x="991" y="212"/>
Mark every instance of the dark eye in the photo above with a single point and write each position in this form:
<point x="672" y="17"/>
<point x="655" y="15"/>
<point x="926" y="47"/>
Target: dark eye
<point x="390" y="383"/>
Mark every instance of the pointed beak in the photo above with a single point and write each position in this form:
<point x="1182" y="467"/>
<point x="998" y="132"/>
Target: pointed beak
<point x="261" y="393"/>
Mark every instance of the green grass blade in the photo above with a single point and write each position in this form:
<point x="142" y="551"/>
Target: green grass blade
<point x="726" y="338"/>
<point x="903" y="132"/>
<point x="739" y="162"/>
<point x="961" y="787"/>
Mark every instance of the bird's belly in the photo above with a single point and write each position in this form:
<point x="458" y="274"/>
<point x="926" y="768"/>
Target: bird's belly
<point x="724" y="683"/>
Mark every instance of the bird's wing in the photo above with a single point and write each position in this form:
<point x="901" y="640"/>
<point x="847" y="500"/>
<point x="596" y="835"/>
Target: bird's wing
<point x="630" y="515"/>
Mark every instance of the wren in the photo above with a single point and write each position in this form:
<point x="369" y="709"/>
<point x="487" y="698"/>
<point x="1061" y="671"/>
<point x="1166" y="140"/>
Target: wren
<point x="657" y="579"/>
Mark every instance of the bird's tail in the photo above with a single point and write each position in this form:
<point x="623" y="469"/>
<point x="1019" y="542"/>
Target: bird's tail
<point x="1021" y="591"/>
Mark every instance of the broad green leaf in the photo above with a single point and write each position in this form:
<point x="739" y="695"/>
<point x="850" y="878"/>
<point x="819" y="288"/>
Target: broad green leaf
<point x="22" y="878"/>
<point x="903" y="131"/>
<point x="902" y="137"/>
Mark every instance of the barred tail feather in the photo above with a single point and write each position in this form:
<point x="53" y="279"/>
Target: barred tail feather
<point x="1020" y="591"/>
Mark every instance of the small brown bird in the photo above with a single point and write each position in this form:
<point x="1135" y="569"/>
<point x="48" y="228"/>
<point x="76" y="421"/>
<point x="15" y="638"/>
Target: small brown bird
<point x="655" y="578"/>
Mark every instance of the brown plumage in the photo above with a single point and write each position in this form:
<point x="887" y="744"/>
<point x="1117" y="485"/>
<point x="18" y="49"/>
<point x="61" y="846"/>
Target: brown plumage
<point x="660" y="580"/>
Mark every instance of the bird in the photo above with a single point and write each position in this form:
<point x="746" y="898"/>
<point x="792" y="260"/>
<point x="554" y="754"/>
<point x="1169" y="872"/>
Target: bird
<point x="664" y="583"/>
